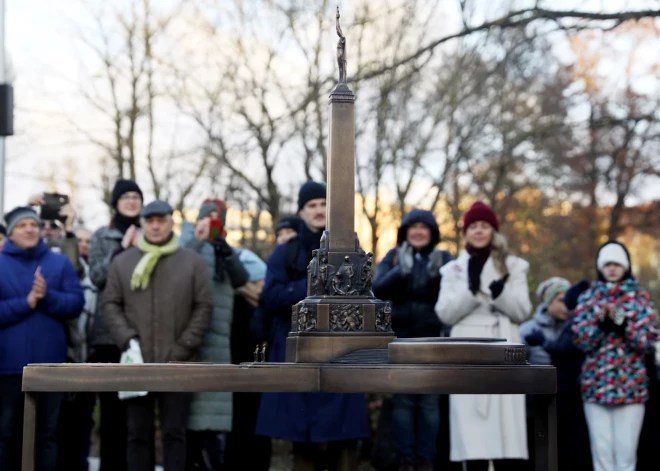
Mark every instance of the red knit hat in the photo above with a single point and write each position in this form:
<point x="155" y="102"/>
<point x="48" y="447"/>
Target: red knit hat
<point x="480" y="211"/>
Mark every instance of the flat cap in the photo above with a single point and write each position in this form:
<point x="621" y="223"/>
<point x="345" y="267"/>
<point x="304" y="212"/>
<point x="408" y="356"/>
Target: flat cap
<point x="156" y="208"/>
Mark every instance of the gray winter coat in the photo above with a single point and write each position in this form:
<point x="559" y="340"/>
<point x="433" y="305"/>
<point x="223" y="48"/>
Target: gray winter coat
<point x="105" y="242"/>
<point x="213" y="410"/>
<point x="551" y="329"/>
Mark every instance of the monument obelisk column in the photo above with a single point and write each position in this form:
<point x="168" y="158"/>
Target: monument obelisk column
<point x="341" y="160"/>
<point x="340" y="314"/>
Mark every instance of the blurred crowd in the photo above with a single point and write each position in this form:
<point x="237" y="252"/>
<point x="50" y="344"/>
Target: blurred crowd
<point x="134" y="291"/>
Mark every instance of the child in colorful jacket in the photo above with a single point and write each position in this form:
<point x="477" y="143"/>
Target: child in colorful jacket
<point x="616" y="328"/>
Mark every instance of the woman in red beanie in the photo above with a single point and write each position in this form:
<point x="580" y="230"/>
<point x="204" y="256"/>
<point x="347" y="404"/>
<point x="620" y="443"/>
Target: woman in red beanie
<point x="484" y="293"/>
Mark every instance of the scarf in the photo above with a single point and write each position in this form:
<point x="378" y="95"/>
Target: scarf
<point x="309" y="240"/>
<point x="122" y="223"/>
<point x="481" y="254"/>
<point x="150" y="257"/>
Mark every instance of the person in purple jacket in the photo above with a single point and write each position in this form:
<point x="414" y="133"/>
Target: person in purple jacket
<point x="39" y="291"/>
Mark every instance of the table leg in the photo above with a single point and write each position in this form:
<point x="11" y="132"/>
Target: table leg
<point x="29" y="431"/>
<point x="545" y="432"/>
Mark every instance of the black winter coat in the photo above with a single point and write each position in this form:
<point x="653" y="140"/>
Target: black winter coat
<point x="413" y="296"/>
<point x="567" y="359"/>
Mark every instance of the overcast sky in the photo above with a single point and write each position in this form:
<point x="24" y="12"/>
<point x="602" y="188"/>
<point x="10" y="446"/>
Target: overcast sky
<point x="42" y="40"/>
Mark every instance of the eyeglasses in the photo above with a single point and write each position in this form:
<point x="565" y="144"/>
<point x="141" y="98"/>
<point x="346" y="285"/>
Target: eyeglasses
<point x="130" y="197"/>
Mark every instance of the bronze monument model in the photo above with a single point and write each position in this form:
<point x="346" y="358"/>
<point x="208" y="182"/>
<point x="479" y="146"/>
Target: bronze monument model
<point x="340" y="313"/>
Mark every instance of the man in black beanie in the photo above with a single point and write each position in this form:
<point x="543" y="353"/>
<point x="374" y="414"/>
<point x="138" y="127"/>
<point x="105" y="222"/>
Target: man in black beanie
<point x="325" y="427"/>
<point x="310" y="191"/>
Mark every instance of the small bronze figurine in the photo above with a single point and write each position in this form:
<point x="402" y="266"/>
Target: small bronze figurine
<point x="263" y="352"/>
<point x="341" y="52"/>
<point x="256" y="354"/>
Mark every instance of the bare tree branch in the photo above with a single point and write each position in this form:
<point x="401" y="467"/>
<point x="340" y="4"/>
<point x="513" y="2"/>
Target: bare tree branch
<point x="514" y="19"/>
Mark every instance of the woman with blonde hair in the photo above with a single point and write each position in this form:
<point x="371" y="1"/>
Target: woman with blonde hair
<point x="484" y="294"/>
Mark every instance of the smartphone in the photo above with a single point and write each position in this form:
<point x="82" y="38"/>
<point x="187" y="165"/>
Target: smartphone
<point x="216" y="229"/>
<point x="53" y="203"/>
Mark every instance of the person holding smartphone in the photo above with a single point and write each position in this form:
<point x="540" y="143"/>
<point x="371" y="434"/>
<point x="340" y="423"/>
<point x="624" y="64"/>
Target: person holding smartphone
<point x="211" y="412"/>
<point x="58" y="218"/>
<point x="107" y="242"/>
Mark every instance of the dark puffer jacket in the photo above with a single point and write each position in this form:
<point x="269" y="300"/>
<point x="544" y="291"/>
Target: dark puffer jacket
<point x="413" y="295"/>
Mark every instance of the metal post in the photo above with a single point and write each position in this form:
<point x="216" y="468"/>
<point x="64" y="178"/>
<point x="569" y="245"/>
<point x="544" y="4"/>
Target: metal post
<point x="545" y="432"/>
<point x="3" y="78"/>
<point x="2" y="174"/>
<point x="29" y="431"/>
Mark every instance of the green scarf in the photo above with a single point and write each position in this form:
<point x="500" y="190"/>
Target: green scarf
<point x="146" y="265"/>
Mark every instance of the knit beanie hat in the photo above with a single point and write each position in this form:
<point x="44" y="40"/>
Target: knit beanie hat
<point x="613" y="252"/>
<point x="121" y="187"/>
<point x="206" y="209"/>
<point x="16" y="215"/>
<point x="291" y="222"/>
<point x="480" y="211"/>
<point x="310" y="191"/>
<point x="213" y="204"/>
<point x="550" y="288"/>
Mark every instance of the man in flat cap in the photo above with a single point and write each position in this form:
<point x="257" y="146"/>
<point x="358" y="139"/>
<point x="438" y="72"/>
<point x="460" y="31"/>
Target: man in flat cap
<point x="158" y="302"/>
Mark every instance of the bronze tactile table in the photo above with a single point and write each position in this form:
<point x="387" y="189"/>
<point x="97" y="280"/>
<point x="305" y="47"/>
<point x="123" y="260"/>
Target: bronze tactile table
<point x="297" y="377"/>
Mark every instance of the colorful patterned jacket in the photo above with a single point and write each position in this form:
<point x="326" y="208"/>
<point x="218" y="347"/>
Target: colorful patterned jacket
<point x="614" y="371"/>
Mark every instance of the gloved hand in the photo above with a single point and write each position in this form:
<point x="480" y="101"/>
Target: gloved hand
<point x="607" y="325"/>
<point x="474" y="274"/>
<point x="535" y="338"/>
<point x="222" y="248"/>
<point x="406" y="258"/>
<point x="131" y="356"/>
<point x="496" y="287"/>
<point x="434" y="263"/>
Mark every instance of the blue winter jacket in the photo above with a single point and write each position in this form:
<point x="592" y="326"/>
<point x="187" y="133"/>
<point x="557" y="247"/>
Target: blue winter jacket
<point x="551" y="328"/>
<point x="35" y="335"/>
<point x="302" y="417"/>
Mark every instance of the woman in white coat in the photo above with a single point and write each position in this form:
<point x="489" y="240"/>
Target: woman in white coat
<point x="484" y="293"/>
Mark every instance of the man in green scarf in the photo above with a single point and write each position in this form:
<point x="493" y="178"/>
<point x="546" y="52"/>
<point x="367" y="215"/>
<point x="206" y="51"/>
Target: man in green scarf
<point x="157" y="305"/>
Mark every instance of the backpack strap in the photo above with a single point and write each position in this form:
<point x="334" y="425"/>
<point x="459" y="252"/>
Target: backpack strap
<point x="292" y="254"/>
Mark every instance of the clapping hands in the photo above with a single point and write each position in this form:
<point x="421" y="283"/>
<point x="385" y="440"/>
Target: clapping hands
<point x="497" y="286"/>
<point x="130" y="237"/>
<point x="39" y="289"/>
<point x="406" y="258"/>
